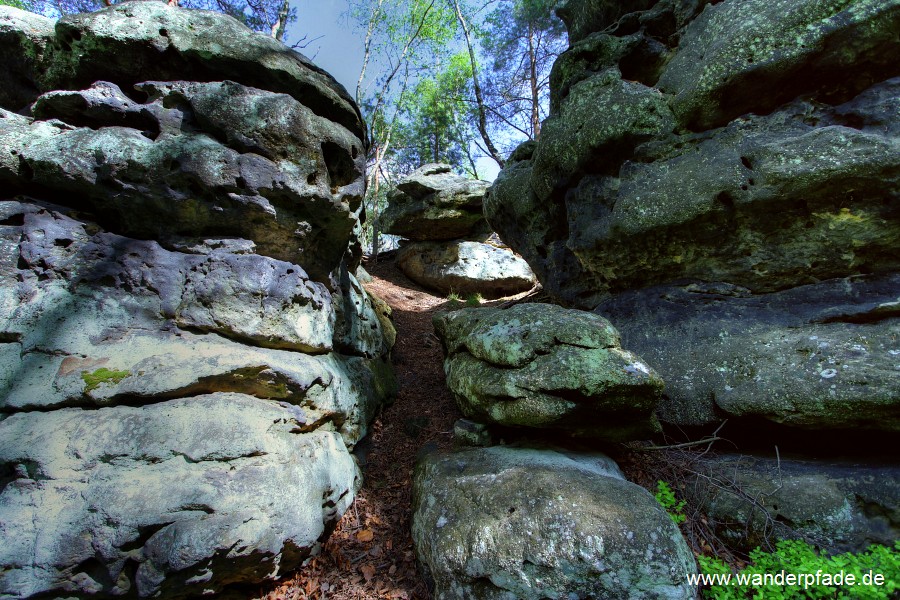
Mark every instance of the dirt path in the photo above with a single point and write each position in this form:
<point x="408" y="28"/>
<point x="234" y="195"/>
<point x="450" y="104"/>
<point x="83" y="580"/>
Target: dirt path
<point x="370" y="554"/>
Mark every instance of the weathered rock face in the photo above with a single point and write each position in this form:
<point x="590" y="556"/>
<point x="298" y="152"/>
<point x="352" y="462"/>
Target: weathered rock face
<point x="841" y="506"/>
<point x="465" y="267"/>
<point x="545" y="367"/>
<point x="705" y="163"/>
<point x="159" y="498"/>
<point x="505" y="522"/>
<point x="433" y="203"/>
<point x="443" y="212"/>
<point x="820" y="356"/>
<point x="186" y="361"/>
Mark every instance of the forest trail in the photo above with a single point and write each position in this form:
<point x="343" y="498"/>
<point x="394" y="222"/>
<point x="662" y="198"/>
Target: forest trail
<point x="370" y="554"/>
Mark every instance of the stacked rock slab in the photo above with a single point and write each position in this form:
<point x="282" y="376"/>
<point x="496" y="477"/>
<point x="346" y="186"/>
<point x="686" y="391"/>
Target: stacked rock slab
<point x="186" y="361"/>
<point x="528" y="520"/>
<point x="544" y="367"/>
<point x="441" y="213"/>
<point x="741" y="150"/>
<point x="722" y="181"/>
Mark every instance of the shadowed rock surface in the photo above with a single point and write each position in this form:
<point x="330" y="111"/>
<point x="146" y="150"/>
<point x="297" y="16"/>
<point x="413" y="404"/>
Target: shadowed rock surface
<point x="844" y="506"/>
<point x="186" y="360"/>
<point x="433" y="203"/>
<point x="820" y="356"/>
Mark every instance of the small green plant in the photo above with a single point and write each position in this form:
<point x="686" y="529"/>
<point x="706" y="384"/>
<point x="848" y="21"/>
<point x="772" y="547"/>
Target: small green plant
<point x="103" y="375"/>
<point x="474" y="299"/>
<point x="797" y="570"/>
<point x="666" y="496"/>
<point x="454" y="300"/>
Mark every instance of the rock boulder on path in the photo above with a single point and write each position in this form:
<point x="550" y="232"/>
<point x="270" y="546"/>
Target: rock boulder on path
<point x="433" y="203"/>
<point x="542" y="367"/>
<point x="465" y="267"/>
<point x="506" y="522"/>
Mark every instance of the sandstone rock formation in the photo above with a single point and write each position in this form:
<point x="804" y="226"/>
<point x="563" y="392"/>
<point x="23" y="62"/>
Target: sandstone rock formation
<point x="433" y="203"/>
<point x="545" y="367"/>
<point x="465" y="267"/>
<point x="441" y="212"/>
<point x="721" y="180"/>
<point x="186" y="360"/>
<point x="507" y="522"/>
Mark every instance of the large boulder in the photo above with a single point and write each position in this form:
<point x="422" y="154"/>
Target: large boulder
<point x="162" y="499"/>
<point x="465" y="267"/>
<point x="541" y="366"/>
<point x="503" y="522"/>
<point x="186" y="360"/>
<point x="433" y="203"/>
<point x="838" y="505"/>
<point x="712" y="177"/>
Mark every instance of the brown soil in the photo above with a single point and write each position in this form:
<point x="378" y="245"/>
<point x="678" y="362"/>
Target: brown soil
<point x="370" y="554"/>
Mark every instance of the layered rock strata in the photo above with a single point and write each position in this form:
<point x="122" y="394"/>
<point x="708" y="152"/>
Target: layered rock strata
<point x="187" y="360"/>
<point x="544" y="367"/>
<point x="450" y="248"/>
<point x="721" y="180"/>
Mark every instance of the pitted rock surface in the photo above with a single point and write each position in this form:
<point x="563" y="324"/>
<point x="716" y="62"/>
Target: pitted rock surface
<point x="510" y="522"/>
<point x="186" y="360"/>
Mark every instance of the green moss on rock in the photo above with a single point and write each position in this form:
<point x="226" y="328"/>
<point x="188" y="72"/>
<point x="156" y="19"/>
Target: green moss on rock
<point x="93" y="380"/>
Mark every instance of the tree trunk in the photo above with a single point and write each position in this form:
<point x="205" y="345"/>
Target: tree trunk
<point x="367" y="50"/>
<point x="280" y="24"/>
<point x="376" y="181"/>
<point x="479" y="98"/>
<point x="533" y="76"/>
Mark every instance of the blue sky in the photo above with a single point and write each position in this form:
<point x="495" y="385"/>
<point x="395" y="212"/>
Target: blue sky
<point x="339" y="50"/>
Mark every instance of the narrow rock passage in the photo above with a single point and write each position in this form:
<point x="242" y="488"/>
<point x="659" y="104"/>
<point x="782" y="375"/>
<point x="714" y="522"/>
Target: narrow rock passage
<point x="370" y="554"/>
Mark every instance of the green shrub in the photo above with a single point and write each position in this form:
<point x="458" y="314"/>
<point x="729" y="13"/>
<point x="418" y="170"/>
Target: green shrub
<point x="474" y="299"/>
<point x="799" y="557"/>
<point x="666" y="496"/>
